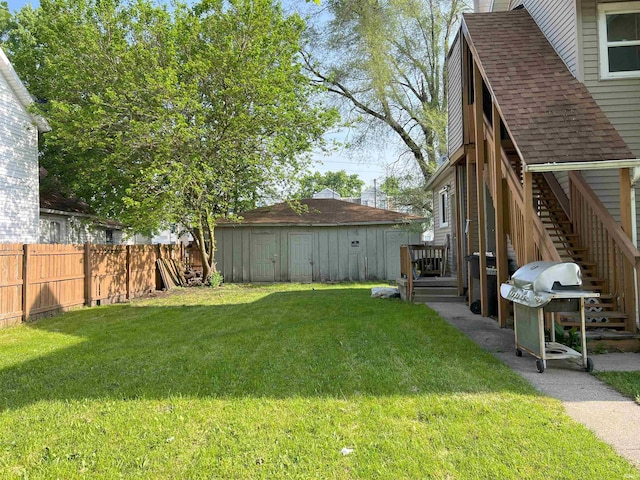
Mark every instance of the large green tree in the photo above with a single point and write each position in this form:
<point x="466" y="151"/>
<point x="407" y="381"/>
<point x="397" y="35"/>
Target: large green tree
<point x="340" y="182"/>
<point x="384" y="60"/>
<point x="169" y="116"/>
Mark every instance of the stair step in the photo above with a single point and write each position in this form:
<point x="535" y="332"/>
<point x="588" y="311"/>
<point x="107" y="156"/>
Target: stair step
<point x="589" y="324"/>
<point x="608" y="315"/>
<point x="437" y="298"/>
<point x="435" y="290"/>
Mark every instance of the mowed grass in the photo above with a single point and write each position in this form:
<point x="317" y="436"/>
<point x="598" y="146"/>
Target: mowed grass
<point x="273" y="382"/>
<point x="627" y="383"/>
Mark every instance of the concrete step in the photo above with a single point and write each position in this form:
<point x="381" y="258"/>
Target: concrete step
<point x="434" y="291"/>
<point x="438" y="298"/>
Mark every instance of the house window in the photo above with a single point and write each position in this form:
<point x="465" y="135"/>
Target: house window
<point x="109" y="236"/>
<point x="54" y="232"/>
<point x="619" y="39"/>
<point x="444" y="207"/>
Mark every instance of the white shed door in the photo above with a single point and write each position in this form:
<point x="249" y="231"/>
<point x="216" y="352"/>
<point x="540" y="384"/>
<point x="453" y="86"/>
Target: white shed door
<point x="263" y="257"/>
<point x="301" y="257"/>
<point x="392" y="241"/>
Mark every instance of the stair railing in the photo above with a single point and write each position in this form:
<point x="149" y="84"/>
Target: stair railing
<point x="543" y="243"/>
<point x="608" y="245"/>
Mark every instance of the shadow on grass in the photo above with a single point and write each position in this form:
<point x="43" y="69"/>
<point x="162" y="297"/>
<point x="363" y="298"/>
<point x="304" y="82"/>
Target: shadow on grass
<point x="331" y="343"/>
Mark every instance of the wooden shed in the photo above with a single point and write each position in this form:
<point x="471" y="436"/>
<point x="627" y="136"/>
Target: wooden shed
<point x="331" y="240"/>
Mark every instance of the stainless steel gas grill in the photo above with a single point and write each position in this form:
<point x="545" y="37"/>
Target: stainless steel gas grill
<point x="546" y="287"/>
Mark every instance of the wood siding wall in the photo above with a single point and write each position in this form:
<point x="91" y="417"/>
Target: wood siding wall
<point x="37" y="280"/>
<point x="454" y="98"/>
<point x="620" y="101"/>
<point x="619" y="98"/>
<point x="18" y="170"/>
<point x="440" y="232"/>
<point x="334" y="256"/>
<point x="558" y="21"/>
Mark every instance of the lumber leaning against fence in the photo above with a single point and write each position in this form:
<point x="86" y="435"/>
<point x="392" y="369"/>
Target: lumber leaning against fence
<point x="38" y="280"/>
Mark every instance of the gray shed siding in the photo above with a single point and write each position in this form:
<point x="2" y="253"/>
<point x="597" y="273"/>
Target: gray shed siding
<point x="455" y="137"/>
<point x="558" y="21"/>
<point x="335" y="254"/>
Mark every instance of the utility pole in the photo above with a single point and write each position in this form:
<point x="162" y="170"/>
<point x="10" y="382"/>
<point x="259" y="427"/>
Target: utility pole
<point x="375" y="193"/>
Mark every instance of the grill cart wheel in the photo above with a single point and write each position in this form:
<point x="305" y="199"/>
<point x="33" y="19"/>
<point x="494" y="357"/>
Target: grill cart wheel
<point x="540" y="365"/>
<point x="518" y="352"/>
<point x="589" y="367"/>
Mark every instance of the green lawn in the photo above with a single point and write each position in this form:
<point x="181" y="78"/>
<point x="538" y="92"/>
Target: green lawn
<point x="273" y="382"/>
<point x="627" y="383"/>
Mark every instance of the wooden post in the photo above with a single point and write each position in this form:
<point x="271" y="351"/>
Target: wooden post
<point x="87" y="275"/>
<point x="25" y="283"/>
<point x="469" y="226"/>
<point x="501" y="232"/>
<point x="128" y="272"/>
<point x="626" y="222"/>
<point x="529" y="246"/>
<point x="459" y="230"/>
<point x="479" y="136"/>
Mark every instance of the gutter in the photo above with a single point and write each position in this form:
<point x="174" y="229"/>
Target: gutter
<point x="242" y="224"/>
<point x="598" y="165"/>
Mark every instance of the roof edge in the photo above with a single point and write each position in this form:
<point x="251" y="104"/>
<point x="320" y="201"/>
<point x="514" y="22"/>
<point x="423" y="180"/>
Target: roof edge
<point x="21" y="92"/>
<point x="289" y="224"/>
<point x="567" y="166"/>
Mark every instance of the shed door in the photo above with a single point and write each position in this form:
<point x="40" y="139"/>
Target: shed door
<point x="263" y="257"/>
<point x="392" y="241"/>
<point x="301" y="257"/>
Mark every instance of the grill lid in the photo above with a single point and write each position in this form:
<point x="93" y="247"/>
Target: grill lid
<point x="547" y="276"/>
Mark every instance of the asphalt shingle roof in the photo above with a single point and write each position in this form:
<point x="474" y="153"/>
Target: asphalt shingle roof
<point x="320" y="211"/>
<point x="552" y="117"/>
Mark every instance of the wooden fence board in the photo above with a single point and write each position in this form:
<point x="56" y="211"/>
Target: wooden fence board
<point x="11" y="258"/>
<point x="59" y="277"/>
<point x="55" y="278"/>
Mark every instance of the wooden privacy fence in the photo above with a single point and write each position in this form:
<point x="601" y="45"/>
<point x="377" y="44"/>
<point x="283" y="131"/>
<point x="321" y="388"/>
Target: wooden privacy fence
<point x="36" y="280"/>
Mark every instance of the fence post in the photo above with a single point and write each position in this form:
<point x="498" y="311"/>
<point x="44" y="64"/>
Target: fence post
<point x="87" y="274"/>
<point x="25" y="282"/>
<point x="128" y="272"/>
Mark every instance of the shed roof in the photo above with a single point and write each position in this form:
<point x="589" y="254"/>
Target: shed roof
<point x="320" y="211"/>
<point x="551" y="116"/>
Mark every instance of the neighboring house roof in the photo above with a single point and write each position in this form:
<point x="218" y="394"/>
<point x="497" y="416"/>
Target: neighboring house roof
<point x="56" y="203"/>
<point x="551" y="117"/>
<point x="326" y="193"/>
<point x="20" y="91"/>
<point x="320" y="211"/>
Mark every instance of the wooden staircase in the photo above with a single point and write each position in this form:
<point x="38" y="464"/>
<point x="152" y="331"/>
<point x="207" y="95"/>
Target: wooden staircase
<point x="436" y="289"/>
<point x="602" y="312"/>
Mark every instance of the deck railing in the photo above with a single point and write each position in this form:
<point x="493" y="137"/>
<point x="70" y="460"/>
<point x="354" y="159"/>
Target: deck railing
<point x="422" y="260"/>
<point x="607" y="245"/>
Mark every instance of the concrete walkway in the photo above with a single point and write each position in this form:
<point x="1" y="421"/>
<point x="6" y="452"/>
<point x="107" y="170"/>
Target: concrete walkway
<point x="612" y="417"/>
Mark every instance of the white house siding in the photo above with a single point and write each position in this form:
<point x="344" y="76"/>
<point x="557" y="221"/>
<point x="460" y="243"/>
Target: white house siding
<point x="558" y="21"/>
<point x="18" y="170"/>
<point x="73" y="230"/>
<point x="334" y="256"/>
<point x="454" y="98"/>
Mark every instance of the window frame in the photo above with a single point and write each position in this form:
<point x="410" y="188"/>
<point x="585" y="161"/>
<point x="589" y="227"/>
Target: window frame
<point x="605" y="9"/>
<point x="444" y="207"/>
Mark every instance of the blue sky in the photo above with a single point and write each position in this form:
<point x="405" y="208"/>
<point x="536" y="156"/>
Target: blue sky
<point x="369" y="165"/>
<point x="18" y="4"/>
